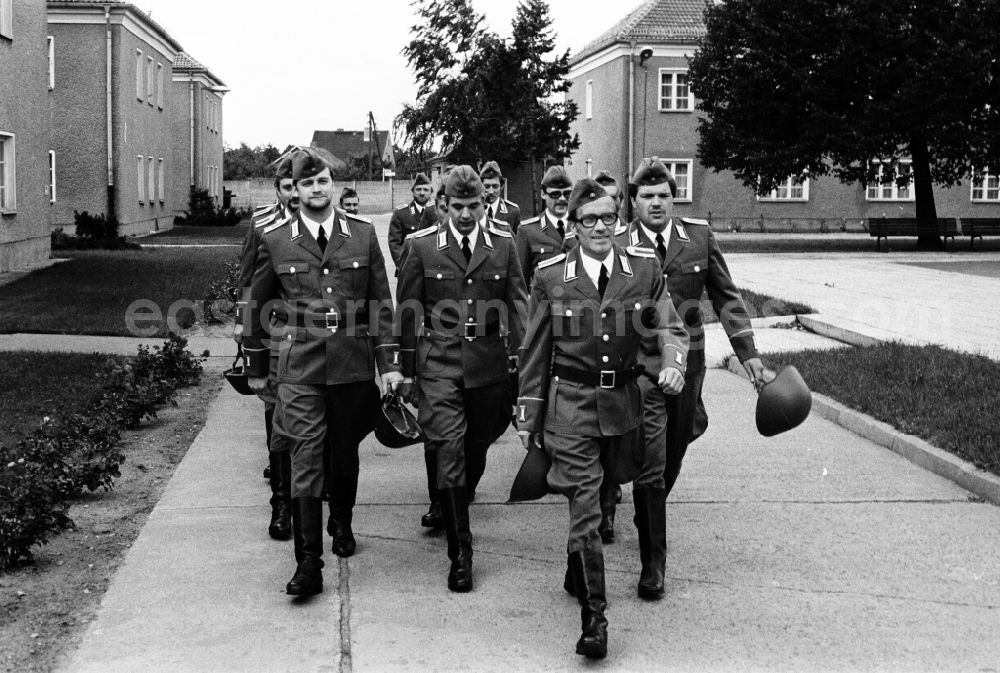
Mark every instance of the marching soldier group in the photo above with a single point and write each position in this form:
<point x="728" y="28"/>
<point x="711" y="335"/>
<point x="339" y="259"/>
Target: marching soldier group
<point x="600" y="317"/>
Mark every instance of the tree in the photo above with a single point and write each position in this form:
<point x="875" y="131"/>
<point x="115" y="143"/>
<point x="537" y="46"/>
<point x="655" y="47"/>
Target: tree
<point x="842" y="87"/>
<point x="245" y="162"/>
<point x="482" y="97"/>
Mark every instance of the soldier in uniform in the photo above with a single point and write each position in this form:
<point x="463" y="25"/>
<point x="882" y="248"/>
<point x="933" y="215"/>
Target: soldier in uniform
<point x="579" y="398"/>
<point x="692" y="264"/>
<point x="324" y="270"/>
<point x="498" y="208"/>
<point x="278" y="471"/>
<point x="349" y="201"/>
<point x="606" y="180"/>
<point x="411" y="217"/>
<point x="460" y="286"/>
<point x="541" y="238"/>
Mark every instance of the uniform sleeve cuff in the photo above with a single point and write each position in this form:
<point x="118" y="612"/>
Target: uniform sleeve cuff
<point x="258" y="361"/>
<point x="387" y="358"/>
<point x="744" y="347"/>
<point x="408" y="358"/>
<point x="675" y="357"/>
<point x="530" y="414"/>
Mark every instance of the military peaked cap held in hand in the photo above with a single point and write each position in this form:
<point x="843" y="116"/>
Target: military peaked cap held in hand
<point x="652" y="172"/>
<point x="284" y="169"/>
<point x="490" y="170"/>
<point x="556" y="176"/>
<point x="605" y="178"/>
<point x="308" y="162"/>
<point x="586" y="190"/>
<point x="421" y="179"/>
<point x="463" y="183"/>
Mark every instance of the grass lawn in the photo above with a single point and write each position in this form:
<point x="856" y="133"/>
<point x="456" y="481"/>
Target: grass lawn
<point x="33" y="385"/>
<point x="758" y="305"/>
<point x="945" y="397"/>
<point x="184" y="235"/>
<point x="92" y="293"/>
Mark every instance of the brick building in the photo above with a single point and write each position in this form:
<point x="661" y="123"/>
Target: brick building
<point x="631" y="87"/>
<point x="25" y="183"/>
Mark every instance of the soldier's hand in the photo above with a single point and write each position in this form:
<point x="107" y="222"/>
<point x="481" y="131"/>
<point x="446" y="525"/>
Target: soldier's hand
<point x="406" y="390"/>
<point x="671" y="381"/>
<point x="755" y="368"/>
<point x="527" y="438"/>
<point x="257" y="383"/>
<point x="238" y="334"/>
<point x="391" y="381"/>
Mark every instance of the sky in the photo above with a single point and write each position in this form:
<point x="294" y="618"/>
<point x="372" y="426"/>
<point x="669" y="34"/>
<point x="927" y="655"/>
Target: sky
<point x="295" y="66"/>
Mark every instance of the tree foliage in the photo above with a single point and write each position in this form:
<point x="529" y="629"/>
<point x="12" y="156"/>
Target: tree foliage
<point x="482" y="97"/>
<point x="246" y="162"/>
<point x="832" y="87"/>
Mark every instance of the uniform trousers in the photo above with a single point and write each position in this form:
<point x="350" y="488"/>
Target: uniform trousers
<point x="654" y="421"/>
<point x="686" y="421"/>
<point x="321" y="423"/>
<point x="460" y="424"/>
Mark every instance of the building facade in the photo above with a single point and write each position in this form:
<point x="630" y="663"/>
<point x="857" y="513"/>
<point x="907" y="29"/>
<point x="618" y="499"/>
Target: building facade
<point x="26" y="186"/>
<point x="631" y="88"/>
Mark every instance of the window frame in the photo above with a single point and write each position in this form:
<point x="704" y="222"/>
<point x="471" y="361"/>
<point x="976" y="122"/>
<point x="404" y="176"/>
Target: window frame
<point x="161" y="189"/>
<point x="983" y="187"/>
<point x="149" y="80"/>
<point x="51" y="44"/>
<point x="8" y="169"/>
<point x="774" y="196"/>
<point x="7" y="19"/>
<point x="52" y="176"/>
<point x="151" y="180"/>
<point x="878" y="185"/>
<point x="588" y="99"/>
<point x="159" y="85"/>
<point x="673" y="72"/>
<point x="138" y="74"/>
<point x="671" y="165"/>
<point x="141" y="166"/>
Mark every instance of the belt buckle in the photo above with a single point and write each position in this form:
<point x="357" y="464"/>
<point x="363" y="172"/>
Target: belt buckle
<point x="607" y="378"/>
<point x="332" y="321"/>
<point x="470" y="330"/>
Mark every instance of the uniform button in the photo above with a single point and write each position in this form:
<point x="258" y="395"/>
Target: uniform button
<point x="496" y="277"/>
<point x="329" y="290"/>
<point x="569" y="312"/>
<point x="468" y="282"/>
<point x="469" y="302"/>
<point x="697" y="268"/>
<point x="638" y="306"/>
<point x="604" y="315"/>
<point x="541" y="250"/>
<point x="555" y="378"/>
<point x="471" y="320"/>
<point x="326" y="272"/>
<point x="605" y="337"/>
<point x="355" y="265"/>
<point x="439" y="276"/>
<point x="291" y="269"/>
<point x="604" y="358"/>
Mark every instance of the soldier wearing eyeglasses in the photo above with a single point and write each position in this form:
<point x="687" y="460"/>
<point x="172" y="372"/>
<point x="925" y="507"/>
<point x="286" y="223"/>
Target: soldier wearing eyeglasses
<point x="579" y="398"/>
<point x="541" y="238"/>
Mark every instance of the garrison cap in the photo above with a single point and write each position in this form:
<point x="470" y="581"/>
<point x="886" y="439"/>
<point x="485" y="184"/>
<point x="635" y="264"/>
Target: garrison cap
<point x="284" y="169"/>
<point x="421" y="179"/>
<point x="652" y="172"/>
<point x="556" y="176"/>
<point x="307" y="162"/>
<point x="463" y="183"/>
<point x="605" y="178"/>
<point x="586" y="190"/>
<point x="490" y="170"/>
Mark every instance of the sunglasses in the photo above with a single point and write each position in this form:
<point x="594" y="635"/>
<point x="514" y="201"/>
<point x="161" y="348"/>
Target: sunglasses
<point x="559" y="193"/>
<point x="588" y="221"/>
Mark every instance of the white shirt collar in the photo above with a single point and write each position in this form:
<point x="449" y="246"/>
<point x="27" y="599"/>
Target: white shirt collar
<point x="553" y="219"/>
<point x="593" y="266"/>
<point x="420" y="208"/>
<point x="313" y="226"/>
<point x="652" y="234"/>
<point x="458" y="237"/>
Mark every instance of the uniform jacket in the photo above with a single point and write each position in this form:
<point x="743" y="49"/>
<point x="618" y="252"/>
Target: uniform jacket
<point x="435" y="282"/>
<point x="306" y="284"/>
<point x="248" y="255"/>
<point x="694" y="264"/>
<point x="571" y="325"/>
<point x="406" y="220"/>
<point x="509" y="213"/>
<point x="538" y="239"/>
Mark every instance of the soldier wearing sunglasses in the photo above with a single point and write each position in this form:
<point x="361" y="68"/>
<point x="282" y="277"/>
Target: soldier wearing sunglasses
<point x="541" y="238"/>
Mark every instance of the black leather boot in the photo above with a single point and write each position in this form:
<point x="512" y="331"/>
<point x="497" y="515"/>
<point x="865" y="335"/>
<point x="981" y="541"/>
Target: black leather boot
<point x="568" y="582"/>
<point x="588" y="576"/>
<point x="280" y="465"/>
<point x="307" y="529"/>
<point x="651" y="522"/>
<point x="434" y="518"/>
<point x="475" y="465"/>
<point x="339" y="527"/>
<point x="455" y="505"/>
<point x="608" y="507"/>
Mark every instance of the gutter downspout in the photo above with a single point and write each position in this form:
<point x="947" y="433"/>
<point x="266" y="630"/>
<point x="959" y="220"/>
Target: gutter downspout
<point x="193" y="129"/>
<point x="109" y="112"/>
<point x="631" y="120"/>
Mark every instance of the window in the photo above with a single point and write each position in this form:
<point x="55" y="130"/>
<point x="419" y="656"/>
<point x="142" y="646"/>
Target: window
<point x="151" y="178"/>
<point x="681" y="170"/>
<point x="52" y="63"/>
<point x="792" y="189"/>
<point x="675" y="96"/>
<point x="891" y="191"/>
<point x="589" y="99"/>
<point x="159" y="172"/>
<point x="140" y="164"/>
<point x="6" y="19"/>
<point x="149" y="79"/>
<point x="52" y="176"/>
<point x="8" y="188"/>
<point x="204" y="113"/>
<point x="138" y="74"/>
<point x="986" y="187"/>
<point x="159" y="85"/>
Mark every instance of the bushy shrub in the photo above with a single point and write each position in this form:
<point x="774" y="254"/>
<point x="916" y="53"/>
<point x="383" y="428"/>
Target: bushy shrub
<point x="31" y="507"/>
<point x="202" y="212"/>
<point x="224" y="291"/>
<point x="92" y="233"/>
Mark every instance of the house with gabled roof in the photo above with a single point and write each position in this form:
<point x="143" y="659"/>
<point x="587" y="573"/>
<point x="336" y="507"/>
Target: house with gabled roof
<point x="348" y="147"/>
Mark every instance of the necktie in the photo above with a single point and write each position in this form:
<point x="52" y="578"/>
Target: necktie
<point x="602" y="281"/>
<point x="661" y="249"/>
<point x="321" y="239"/>
<point x="466" y="250"/>
<point x="562" y="231"/>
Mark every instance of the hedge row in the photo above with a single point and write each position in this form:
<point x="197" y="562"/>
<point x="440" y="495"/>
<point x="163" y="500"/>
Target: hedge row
<point x="41" y="473"/>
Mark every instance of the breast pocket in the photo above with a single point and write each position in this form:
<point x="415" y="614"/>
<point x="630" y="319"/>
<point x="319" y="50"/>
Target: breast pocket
<point x="699" y="266"/>
<point x="292" y="277"/>
<point x="354" y="274"/>
<point x="544" y="251"/>
<point x="438" y="284"/>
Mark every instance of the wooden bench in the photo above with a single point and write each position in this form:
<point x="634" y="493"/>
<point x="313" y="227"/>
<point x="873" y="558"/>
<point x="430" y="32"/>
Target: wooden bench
<point x="977" y="227"/>
<point x="884" y="227"/>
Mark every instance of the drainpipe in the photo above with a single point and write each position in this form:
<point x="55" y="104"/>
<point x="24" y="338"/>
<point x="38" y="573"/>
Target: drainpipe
<point x="631" y="120"/>
<point x="193" y="129"/>
<point x="112" y="214"/>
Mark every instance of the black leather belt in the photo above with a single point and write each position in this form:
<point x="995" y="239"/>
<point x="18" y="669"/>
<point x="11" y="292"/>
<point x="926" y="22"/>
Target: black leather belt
<point x="332" y="319"/>
<point x="469" y="330"/>
<point x="606" y="378"/>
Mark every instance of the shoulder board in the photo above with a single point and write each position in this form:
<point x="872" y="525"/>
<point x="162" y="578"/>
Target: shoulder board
<point x="533" y="220"/>
<point x="552" y="260"/>
<point x="500" y="232"/>
<point x="621" y="229"/>
<point x="426" y="231"/>
<point x="403" y="207"/>
<point x="261" y="209"/>
<point x="636" y="251"/>
<point x="265" y="220"/>
<point x="276" y="225"/>
<point x="693" y="220"/>
<point x="358" y="218"/>
<point x="510" y="203"/>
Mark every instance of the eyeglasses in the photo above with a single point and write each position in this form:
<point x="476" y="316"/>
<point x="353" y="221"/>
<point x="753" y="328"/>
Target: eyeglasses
<point x="589" y="221"/>
<point x="556" y="193"/>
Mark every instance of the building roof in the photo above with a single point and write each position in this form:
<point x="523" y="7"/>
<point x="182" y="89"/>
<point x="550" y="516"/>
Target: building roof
<point x="117" y="4"/>
<point x="350" y="145"/>
<point x="654" y="21"/>
<point x="185" y="63"/>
